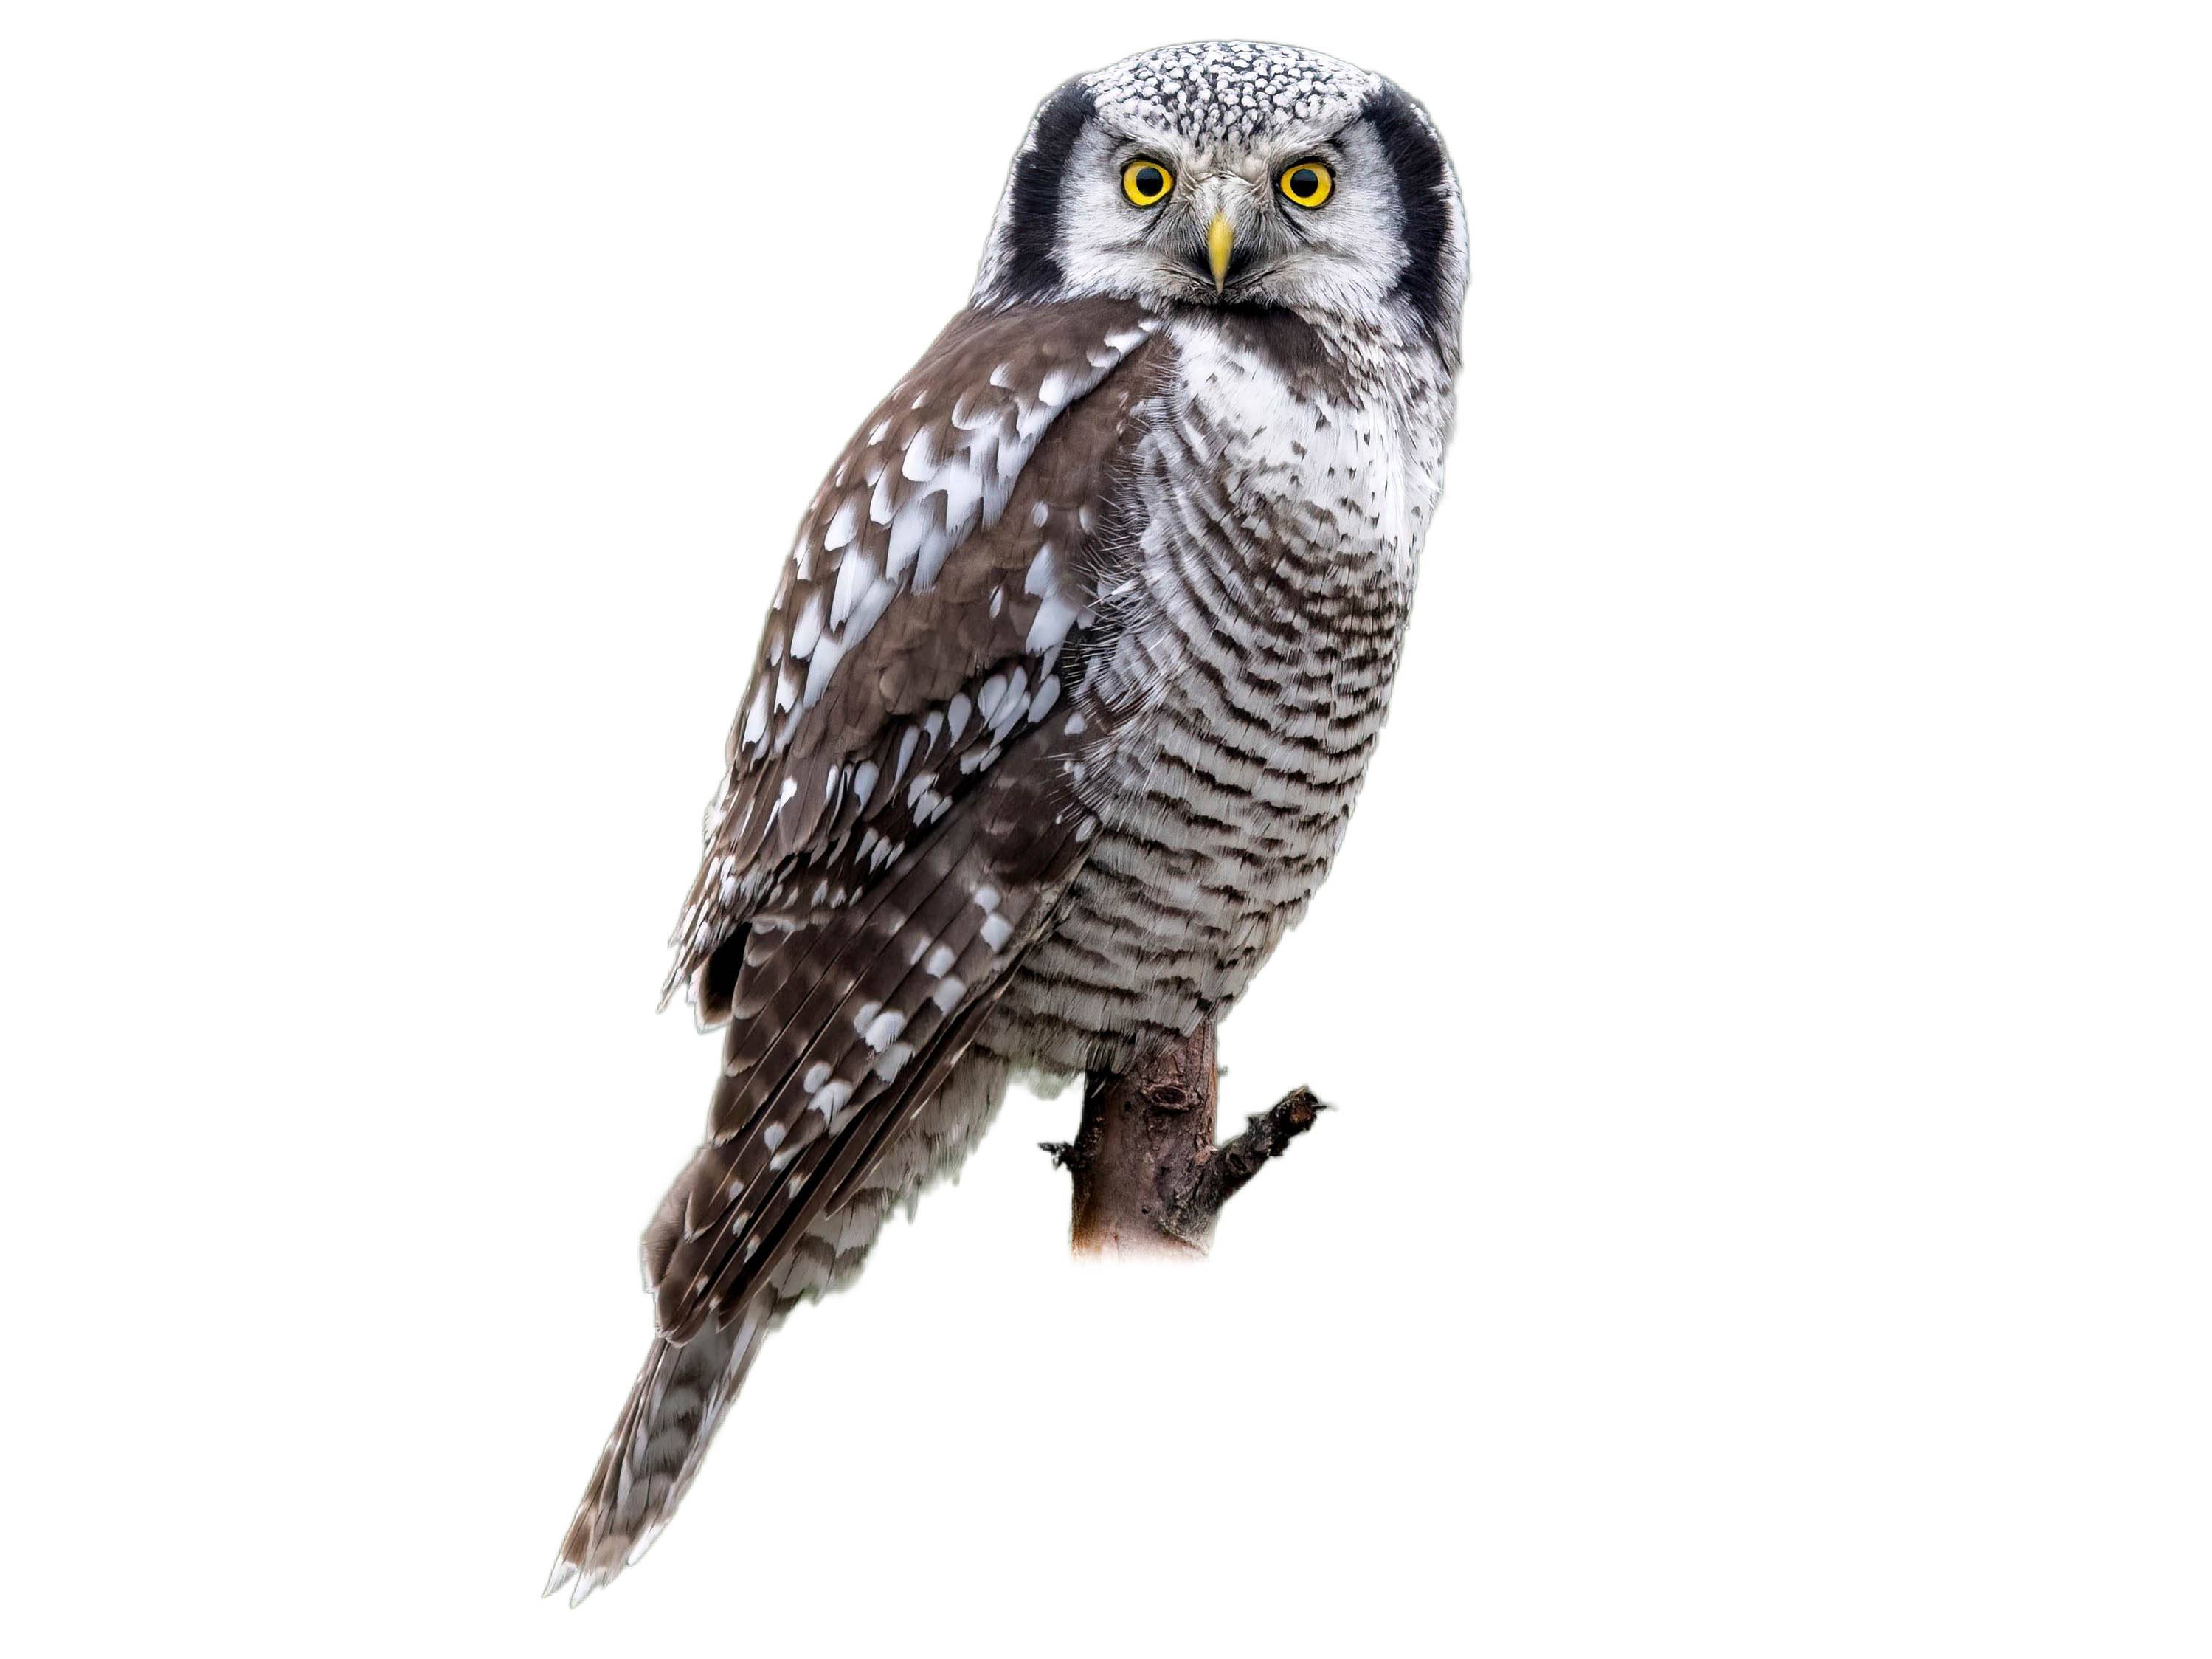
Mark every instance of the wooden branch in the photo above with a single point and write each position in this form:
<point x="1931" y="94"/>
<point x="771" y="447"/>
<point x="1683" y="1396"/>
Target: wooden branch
<point x="1149" y="1180"/>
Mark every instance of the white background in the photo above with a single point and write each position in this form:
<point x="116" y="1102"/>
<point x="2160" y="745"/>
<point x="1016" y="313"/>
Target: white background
<point x="1767" y="988"/>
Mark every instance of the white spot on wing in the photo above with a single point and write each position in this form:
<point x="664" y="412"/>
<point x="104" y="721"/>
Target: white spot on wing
<point x="1053" y="617"/>
<point x="827" y="655"/>
<point x="909" y="530"/>
<point x="808" y="629"/>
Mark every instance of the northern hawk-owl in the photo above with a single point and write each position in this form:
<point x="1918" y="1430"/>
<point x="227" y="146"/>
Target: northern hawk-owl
<point x="1070" y="680"/>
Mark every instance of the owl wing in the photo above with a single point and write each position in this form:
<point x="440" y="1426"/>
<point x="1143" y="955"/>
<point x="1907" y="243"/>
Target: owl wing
<point x="899" y="818"/>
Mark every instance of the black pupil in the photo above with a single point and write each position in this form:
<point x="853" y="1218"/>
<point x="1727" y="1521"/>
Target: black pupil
<point x="1149" y="181"/>
<point x="1305" y="182"/>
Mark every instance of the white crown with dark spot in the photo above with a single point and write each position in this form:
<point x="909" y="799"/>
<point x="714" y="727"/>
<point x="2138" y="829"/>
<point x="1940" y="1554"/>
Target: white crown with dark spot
<point x="1228" y="88"/>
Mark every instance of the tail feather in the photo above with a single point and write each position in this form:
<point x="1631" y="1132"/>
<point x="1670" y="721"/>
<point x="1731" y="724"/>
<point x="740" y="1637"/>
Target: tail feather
<point x="655" y="1450"/>
<point x="685" y="1388"/>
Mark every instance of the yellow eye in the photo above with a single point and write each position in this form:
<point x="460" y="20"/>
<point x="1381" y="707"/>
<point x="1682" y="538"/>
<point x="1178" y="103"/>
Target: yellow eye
<point x="1308" y="184"/>
<point x="1145" y="182"/>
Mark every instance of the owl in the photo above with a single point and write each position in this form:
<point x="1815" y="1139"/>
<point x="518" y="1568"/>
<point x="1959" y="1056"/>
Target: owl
<point x="1069" y="682"/>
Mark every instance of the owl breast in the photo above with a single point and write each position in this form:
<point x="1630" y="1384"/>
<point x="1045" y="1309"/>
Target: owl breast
<point x="1278" y="505"/>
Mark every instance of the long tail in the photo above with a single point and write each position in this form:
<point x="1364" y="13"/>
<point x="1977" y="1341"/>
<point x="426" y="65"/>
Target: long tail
<point x="686" y="1388"/>
<point x="655" y="1449"/>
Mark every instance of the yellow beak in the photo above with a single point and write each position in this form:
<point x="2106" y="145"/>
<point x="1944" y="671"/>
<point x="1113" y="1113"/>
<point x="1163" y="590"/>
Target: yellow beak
<point x="1219" y="239"/>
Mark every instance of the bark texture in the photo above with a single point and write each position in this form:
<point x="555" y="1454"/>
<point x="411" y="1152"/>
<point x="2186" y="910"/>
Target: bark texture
<point x="1149" y="1180"/>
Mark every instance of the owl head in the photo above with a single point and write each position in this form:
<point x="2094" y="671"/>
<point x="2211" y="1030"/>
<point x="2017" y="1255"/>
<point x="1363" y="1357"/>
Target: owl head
<point x="1234" y="173"/>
